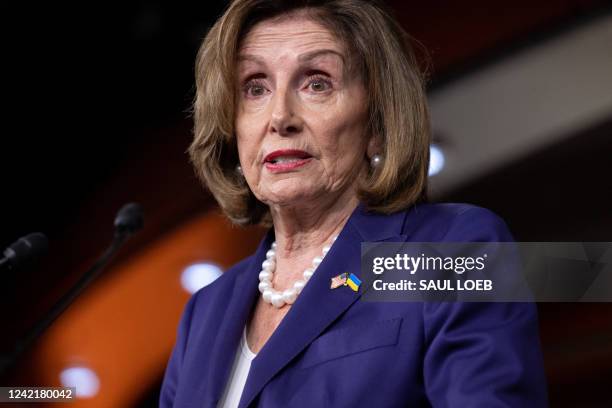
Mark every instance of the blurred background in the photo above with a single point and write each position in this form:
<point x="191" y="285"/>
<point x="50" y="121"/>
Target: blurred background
<point x="96" y="103"/>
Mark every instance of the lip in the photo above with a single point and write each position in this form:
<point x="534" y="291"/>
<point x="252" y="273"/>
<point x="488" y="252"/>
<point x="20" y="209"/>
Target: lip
<point x="302" y="156"/>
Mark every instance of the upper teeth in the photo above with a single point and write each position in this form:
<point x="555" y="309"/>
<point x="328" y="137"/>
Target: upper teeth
<point x="285" y="159"/>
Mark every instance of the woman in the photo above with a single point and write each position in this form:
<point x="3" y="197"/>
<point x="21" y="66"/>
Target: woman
<point x="310" y="118"/>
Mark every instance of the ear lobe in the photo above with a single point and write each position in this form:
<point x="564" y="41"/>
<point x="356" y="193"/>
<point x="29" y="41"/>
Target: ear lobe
<point x="374" y="146"/>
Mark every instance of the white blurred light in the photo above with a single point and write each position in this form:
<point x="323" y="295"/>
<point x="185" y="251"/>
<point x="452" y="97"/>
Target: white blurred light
<point x="196" y="276"/>
<point x="436" y="160"/>
<point x="83" y="378"/>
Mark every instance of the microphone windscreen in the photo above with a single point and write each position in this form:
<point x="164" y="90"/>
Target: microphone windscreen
<point x="26" y="249"/>
<point x="130" y="219"/>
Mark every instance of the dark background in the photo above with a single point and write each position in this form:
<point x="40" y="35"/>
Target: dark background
<point x="95" y="113"/>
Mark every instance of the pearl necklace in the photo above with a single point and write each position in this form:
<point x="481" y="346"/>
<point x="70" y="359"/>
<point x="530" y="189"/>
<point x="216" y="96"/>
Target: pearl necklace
<point x="287" y="296"/>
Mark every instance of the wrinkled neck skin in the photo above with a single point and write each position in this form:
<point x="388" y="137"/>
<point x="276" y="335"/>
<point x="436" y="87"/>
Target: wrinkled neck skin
<point x="303" y="229"/>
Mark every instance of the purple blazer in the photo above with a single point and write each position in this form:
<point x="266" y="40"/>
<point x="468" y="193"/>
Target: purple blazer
<point x="332" y="350"/>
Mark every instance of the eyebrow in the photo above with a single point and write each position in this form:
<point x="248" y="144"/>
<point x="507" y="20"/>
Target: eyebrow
<point x="317" y="53"/>
<point x="309" y="56"/>
<point x="250" y="57"/>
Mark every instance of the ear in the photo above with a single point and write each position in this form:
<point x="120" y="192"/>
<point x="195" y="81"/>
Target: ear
<point x="374" y="146"/>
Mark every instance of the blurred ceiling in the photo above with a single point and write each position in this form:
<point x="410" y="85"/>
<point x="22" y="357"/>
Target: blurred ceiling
<point x="86" y="86"/>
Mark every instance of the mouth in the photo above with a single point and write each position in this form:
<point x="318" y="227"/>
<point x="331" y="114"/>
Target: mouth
<point x="286" y="156"/>
<point x="287" y="159"/>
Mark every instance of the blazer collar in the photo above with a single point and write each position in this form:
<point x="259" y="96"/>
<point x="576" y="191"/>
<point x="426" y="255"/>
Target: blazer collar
<point x="374" y="227"/>
<point x="300" y="326"/>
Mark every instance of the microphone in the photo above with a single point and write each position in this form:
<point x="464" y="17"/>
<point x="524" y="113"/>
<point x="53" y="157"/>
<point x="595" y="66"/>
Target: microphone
<point x="24" y="251"/>
<point x="129" y="220"/>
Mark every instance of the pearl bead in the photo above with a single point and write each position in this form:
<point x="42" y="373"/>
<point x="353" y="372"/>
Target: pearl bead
<point x="289" y="296"/>
<point x="308" y="273"/>
<point x="268" y="265"/>
<point x="376" y="160"/>
<point x="299" y="285"/>
<point x="265" y="276"/>
<point x="277" y="300"/>
<point x="264" y="285"/>
<point x="267" y="295"/>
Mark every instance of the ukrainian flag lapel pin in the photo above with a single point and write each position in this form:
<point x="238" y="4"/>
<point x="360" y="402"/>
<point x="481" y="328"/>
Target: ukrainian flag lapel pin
<point x="345" y="279"/>
<point x="353" y="282"/>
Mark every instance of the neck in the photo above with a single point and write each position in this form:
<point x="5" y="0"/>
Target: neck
<point x="303" y="230"/>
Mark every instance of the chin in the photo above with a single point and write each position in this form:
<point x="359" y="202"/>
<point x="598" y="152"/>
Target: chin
<point x="289" y="197"/>
<point x="291" y="189"/>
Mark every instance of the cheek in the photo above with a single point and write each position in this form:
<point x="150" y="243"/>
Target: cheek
<point x="343" y="142"/>
<point x="246" y="143"/>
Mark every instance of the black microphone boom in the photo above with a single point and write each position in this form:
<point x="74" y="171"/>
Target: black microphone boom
<point x="129" y="220"/>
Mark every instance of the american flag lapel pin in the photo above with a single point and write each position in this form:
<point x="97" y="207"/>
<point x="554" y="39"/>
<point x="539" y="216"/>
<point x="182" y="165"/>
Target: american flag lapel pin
<point x="339" y="280"/>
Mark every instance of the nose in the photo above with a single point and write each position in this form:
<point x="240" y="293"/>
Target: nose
<point x="284" y="120"/>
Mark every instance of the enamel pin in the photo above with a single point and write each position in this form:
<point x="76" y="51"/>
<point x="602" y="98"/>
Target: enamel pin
<point x="345" y="279"/>
<point x="339" y="280"/>
<point x="353" y="282"/>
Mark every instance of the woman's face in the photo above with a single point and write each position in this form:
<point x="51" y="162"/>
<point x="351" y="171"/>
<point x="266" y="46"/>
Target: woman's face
<point x="301" y="117"/>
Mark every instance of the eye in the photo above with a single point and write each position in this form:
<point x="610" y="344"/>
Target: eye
<point x="254" y="88"/>
<point x="319" y="84"/>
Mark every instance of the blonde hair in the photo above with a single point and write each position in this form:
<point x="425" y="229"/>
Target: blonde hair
<point x="394" y="83"/>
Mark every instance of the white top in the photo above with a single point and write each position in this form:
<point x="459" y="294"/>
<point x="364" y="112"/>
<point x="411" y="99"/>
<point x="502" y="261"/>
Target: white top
<point x="238" y="375"/>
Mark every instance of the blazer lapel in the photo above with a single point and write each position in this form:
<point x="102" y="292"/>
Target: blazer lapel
<point x="242" y="298"/>
<point x="303" y="323"/>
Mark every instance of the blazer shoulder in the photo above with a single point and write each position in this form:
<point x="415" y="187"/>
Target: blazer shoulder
<point x="455" y="222"/>
<point x="222" y="285"/>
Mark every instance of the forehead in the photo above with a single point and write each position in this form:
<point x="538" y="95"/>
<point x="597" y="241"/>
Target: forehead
<point x="291" y="35"/>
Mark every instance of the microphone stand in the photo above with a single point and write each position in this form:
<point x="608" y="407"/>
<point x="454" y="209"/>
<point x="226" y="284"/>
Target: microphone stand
<point x="121" y="235"/>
